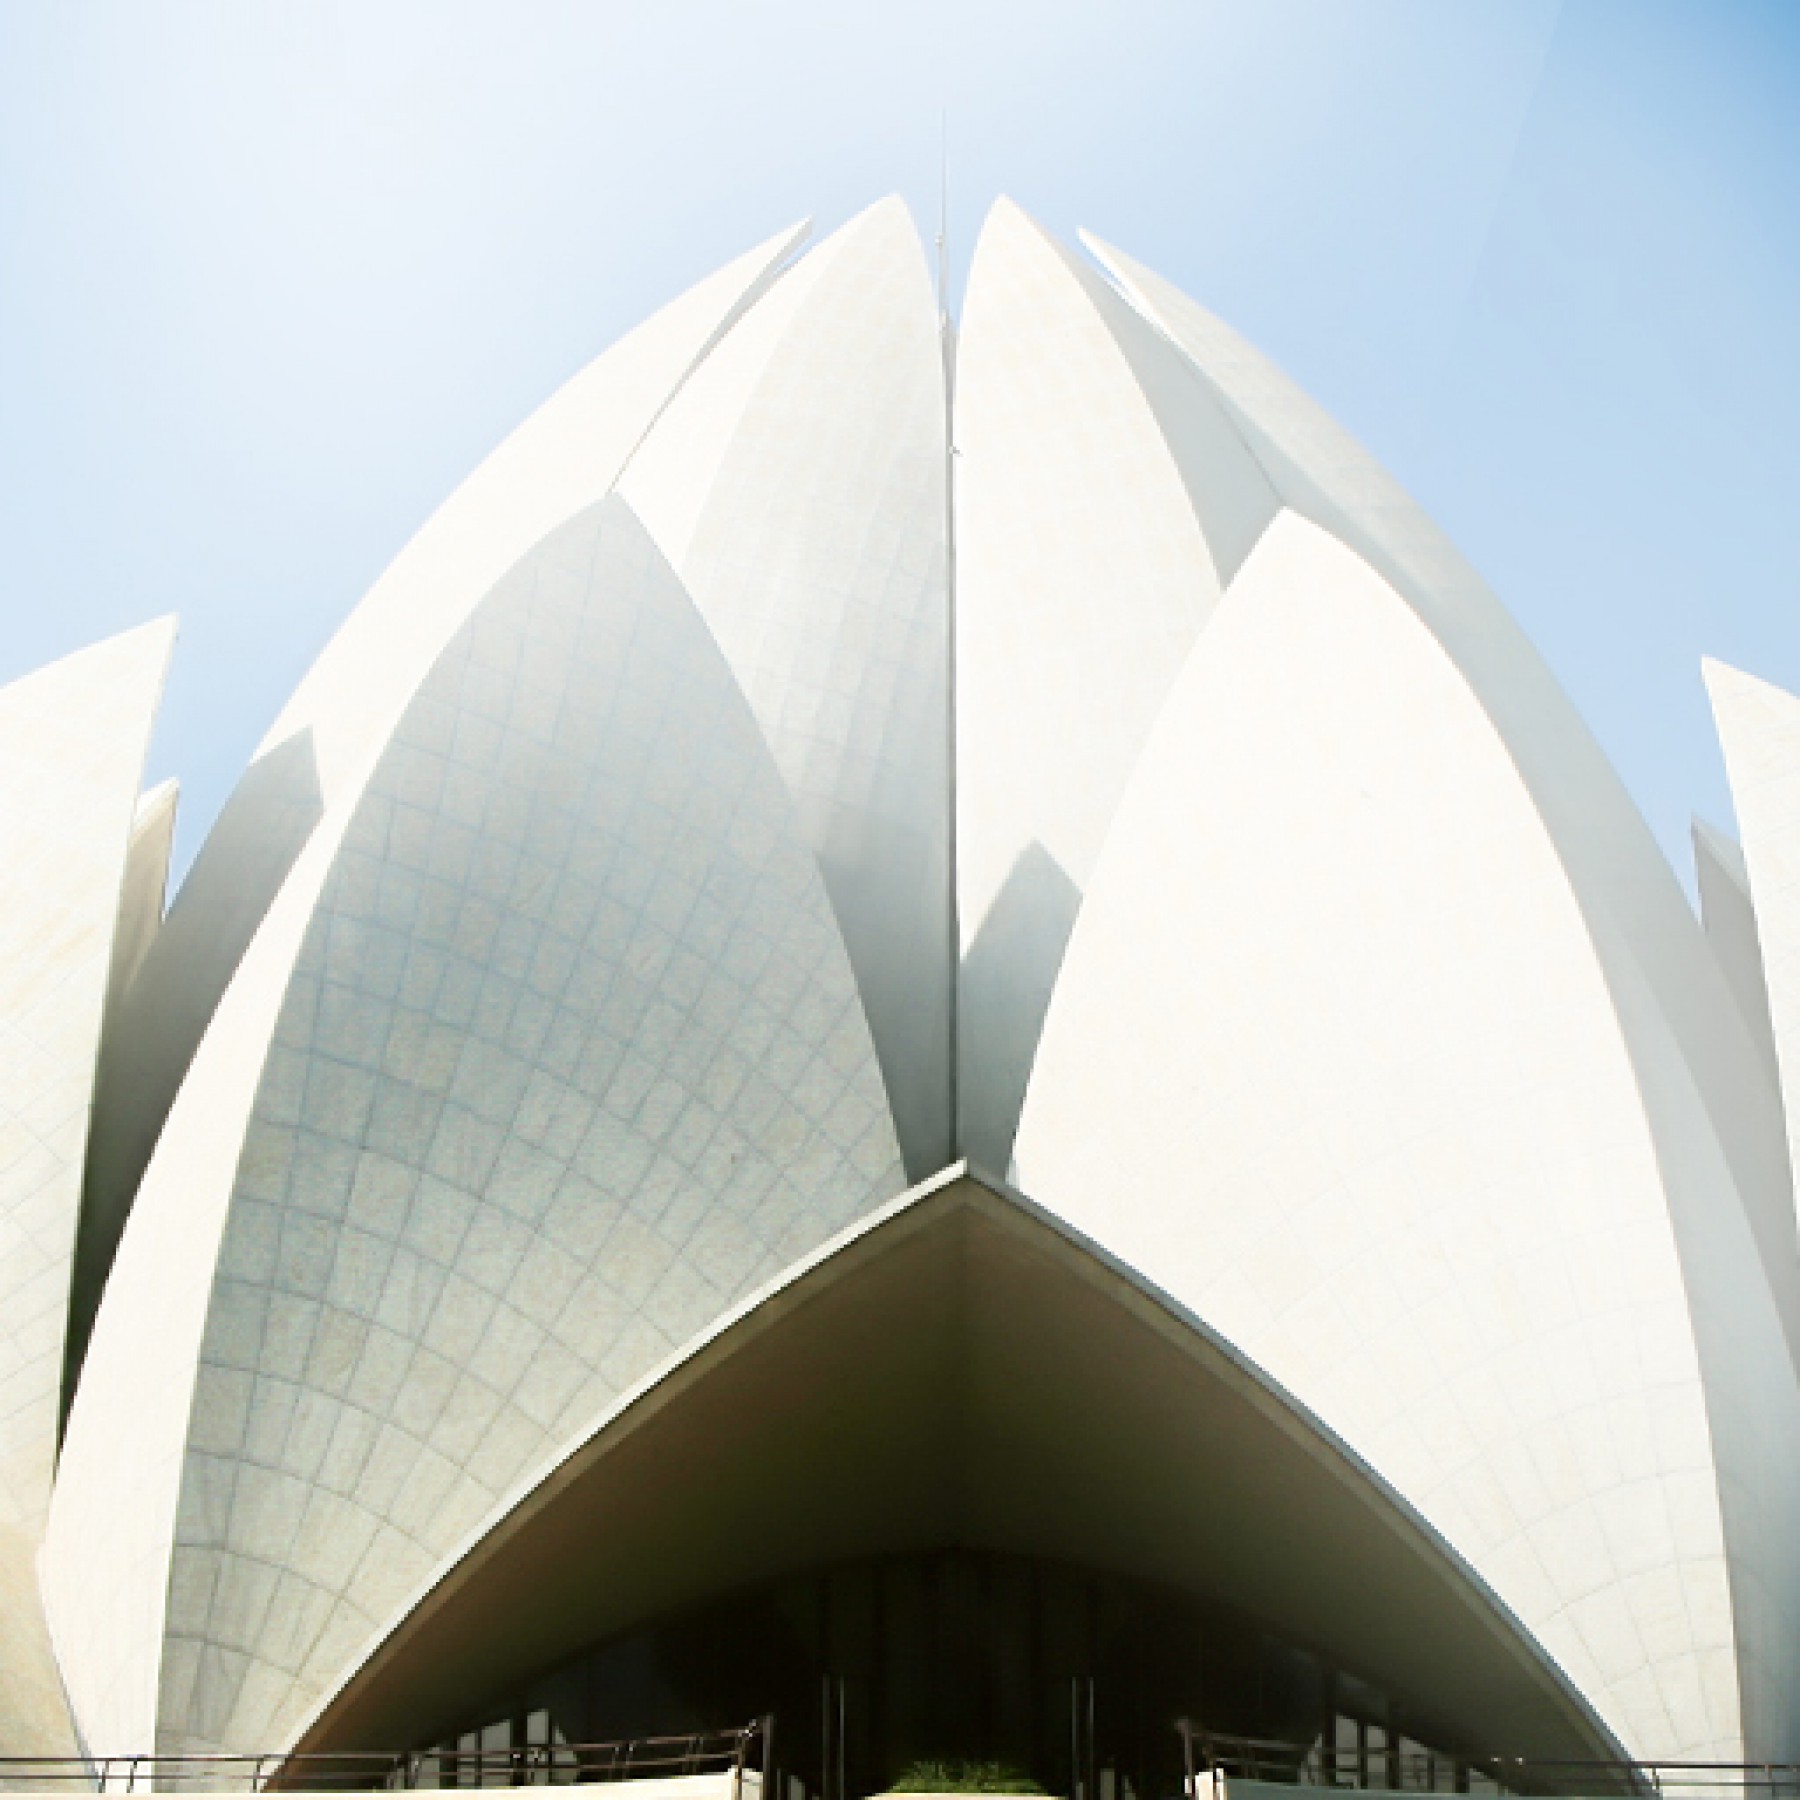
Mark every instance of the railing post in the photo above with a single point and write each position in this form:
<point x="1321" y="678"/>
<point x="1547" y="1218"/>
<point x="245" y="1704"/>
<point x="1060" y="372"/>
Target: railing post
<point x="1185" y="1727"/>
<point x="1077" y="1787"/>
<point x="765" y="1729"/>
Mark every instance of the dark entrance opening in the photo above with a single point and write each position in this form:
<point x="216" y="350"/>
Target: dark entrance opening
<point x="891" y="1667"/>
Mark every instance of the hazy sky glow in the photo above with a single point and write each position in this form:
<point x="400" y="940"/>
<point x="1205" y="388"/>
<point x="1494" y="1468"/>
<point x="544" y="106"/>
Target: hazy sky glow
<point x="275" y="274"/>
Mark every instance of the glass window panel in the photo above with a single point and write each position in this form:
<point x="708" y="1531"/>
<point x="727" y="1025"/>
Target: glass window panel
<point x="1415" y="1766"/>
<point x="496" y="1754"/>
<point x="537" y="1756"/>
<point x="1375" y="1757"/>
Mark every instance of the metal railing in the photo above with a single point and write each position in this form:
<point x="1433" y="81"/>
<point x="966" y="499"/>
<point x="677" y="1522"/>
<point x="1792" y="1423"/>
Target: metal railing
<point x="1213" y="1760"/>
<point x="737" y="1754"/>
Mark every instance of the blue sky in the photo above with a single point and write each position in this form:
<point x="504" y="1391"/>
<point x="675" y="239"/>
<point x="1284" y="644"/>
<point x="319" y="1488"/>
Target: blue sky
<point x="274" y="274"/>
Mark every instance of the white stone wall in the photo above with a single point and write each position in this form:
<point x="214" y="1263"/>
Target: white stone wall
<point x="568" y="1057"/>
<point x="72" y="742"/>
<point x="798" y="483"/>
<point x="1712" y="1110"/>
<point x="1098" y="493"/>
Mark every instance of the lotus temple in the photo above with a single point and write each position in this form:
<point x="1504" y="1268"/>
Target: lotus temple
<point x="929" y="1032"/>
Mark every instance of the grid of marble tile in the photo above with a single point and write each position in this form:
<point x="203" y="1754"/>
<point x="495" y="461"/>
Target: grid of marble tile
<point x="571" y="1060"/>
<point x="72" y="743"/>
<point x="558" y="462"/>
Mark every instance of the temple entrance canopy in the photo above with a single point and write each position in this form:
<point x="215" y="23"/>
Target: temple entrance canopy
<point x="957" y="1441"/>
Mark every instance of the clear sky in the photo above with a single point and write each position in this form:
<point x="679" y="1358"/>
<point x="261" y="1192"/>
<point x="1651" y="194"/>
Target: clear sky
<point x="275" y="274"/>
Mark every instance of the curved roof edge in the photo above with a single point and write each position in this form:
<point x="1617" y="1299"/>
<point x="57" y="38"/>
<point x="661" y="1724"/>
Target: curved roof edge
<point x="866" y="1245"/>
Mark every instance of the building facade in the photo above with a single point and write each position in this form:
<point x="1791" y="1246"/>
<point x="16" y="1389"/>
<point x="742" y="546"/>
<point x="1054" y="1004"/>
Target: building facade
<point x="928" y="1027"/>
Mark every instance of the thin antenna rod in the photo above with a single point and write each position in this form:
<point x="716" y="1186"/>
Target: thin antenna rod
<point x="943" y="234"/>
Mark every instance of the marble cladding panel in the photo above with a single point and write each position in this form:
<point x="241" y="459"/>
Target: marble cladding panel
<point x="1759" y="728"/>
<point x="72" y="743"/>
<point x="800" y="486"/>
<point x="1083" y="577"/>
<point x="1700" y="1054"/>
<point x="311" y="766"/>
<point x="1338" y="1064"/>
<point x="571" y="1061"/>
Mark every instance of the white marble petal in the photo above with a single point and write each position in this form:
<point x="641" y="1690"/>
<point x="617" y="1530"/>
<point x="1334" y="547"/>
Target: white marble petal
<point x="72" y="742"/>
<point x="1695" y="1045"/>
<point x="1334" y="1056"/>
<point x="1099" y="492"/>
<point x="1759" y="727"/>
<point x="562" y="1056"/>
<point x="798" y="484"/>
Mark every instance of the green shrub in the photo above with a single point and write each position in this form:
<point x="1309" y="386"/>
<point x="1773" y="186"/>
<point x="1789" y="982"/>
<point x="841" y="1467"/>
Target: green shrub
<point x="933" y="1777"/>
